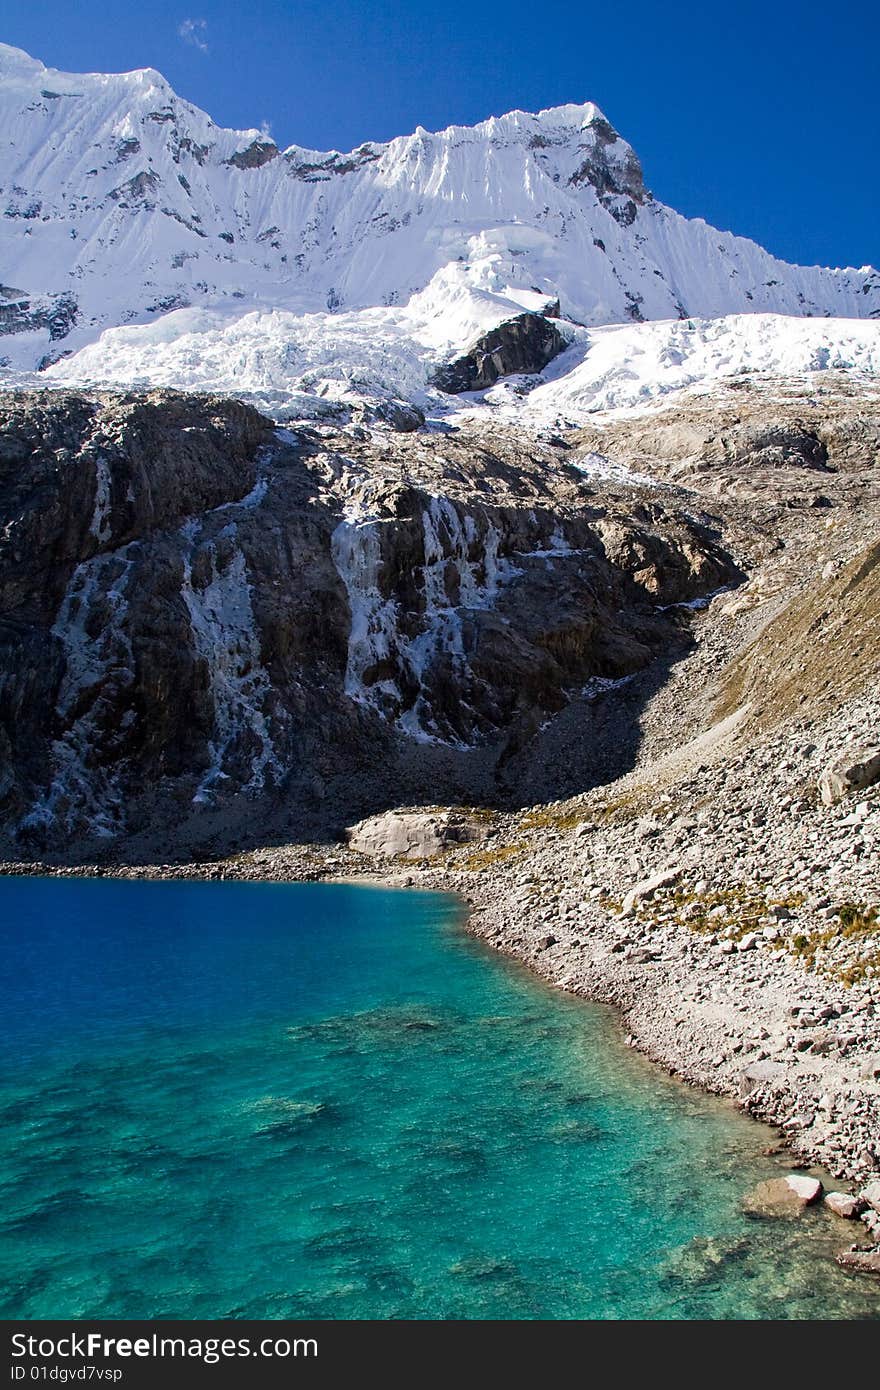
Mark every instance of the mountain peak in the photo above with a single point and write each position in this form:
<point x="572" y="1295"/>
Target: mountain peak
<point x="123" y="203"/>
<point x="562" y="121"/>
<point x="14" y="62"/>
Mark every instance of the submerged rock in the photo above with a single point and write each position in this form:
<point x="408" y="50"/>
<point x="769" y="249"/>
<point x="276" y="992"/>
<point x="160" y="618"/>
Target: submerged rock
<point x="783" y="1196"/>
<point x="704" y="1259"/>
<point x="862" y="1261"/>
<point x="843" y="1204"/>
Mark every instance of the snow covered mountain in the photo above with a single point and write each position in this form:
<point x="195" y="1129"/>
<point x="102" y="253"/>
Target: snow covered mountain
<point x="205" y="613"/>
<point x="209" y="257"/>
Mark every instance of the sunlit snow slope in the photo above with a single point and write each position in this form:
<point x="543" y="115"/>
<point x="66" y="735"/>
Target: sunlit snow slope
<point x="634" y="366"/>
<point x="215" y="259"/>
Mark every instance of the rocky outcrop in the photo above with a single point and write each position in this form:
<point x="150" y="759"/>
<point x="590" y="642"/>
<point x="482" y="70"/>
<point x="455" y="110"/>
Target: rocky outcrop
<point x="258" y="153"/>
<point x="203" y="615"/>
<point x="614" y="170"/>
<point x="99" y="679"/>
<point x="468" y="620"/>
<point x="19" y="314"/>
<point x="522" y="344"/>
<point x="414" y="834"/>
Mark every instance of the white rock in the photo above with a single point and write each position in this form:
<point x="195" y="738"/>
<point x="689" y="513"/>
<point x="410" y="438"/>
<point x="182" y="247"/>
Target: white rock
<point x="808" y="1189"/>
<point x="648" y="886"/>
<point x="843" y="1204"/>
<point x="859" y="769"/>
<point x="413" y="834"/>
<point x="871" y="1194"/>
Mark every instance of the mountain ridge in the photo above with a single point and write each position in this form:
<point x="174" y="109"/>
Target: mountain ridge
<point x="123" y="202"/>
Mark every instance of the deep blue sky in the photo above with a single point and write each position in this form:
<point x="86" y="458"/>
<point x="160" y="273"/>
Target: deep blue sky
<point x="761" y="117"/>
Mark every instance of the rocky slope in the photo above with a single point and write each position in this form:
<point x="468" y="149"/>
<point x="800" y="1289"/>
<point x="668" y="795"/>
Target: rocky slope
<point x="232" y="631"/>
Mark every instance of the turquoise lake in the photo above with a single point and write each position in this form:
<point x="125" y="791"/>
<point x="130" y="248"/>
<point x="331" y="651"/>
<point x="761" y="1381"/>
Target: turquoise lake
<point x="324" y="1101"/>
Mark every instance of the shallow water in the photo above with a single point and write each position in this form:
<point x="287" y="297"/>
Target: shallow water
<point x="261" y="1100"/>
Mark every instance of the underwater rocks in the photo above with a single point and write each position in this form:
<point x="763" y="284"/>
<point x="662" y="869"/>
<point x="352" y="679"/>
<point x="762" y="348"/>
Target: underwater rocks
<point x="783" y="1196"/>
<point x="860" y="1261"/>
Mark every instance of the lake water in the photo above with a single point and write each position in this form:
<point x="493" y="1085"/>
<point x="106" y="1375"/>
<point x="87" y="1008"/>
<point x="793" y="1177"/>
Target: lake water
<point x="323" y="1101"/>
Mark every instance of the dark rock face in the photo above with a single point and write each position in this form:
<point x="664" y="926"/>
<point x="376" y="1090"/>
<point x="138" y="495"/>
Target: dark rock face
<point x="19" y="314"/>
<point x="138" y="190"/>
<point x="92" y="499"/>
<point x="522" y="344"/>
<point x="617" y="178"/>
<point x="258" y="153"/>
<point x="207" y="623"/>
<point x="332" y="164"/>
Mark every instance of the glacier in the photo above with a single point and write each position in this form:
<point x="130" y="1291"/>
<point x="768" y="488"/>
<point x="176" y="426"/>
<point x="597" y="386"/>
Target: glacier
<point x="144" y="245"/>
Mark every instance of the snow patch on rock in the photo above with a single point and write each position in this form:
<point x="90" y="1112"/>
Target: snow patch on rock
<point x="99" y="667"/>
<point x="389" y="665"/>
<point x="225" y="637"/>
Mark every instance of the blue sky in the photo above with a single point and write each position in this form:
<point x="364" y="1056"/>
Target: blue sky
<point x="761" y="117"/>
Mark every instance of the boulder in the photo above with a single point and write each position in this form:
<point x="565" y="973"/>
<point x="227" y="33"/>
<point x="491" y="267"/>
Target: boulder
<point x="641" y="955"/>
<point x="785" y="1196"/>
<point x="758" y="1074"/>
<point x="413" y="834"/>
<point x="859" y="769"/>
<point x="843" y="1204"/>
<point x="871" y="1194"/>
<point x="647" y="886"/>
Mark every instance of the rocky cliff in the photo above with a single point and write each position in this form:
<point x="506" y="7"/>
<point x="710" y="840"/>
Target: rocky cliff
<point x="220" y="629"/>
<point x="211" y="622"/>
